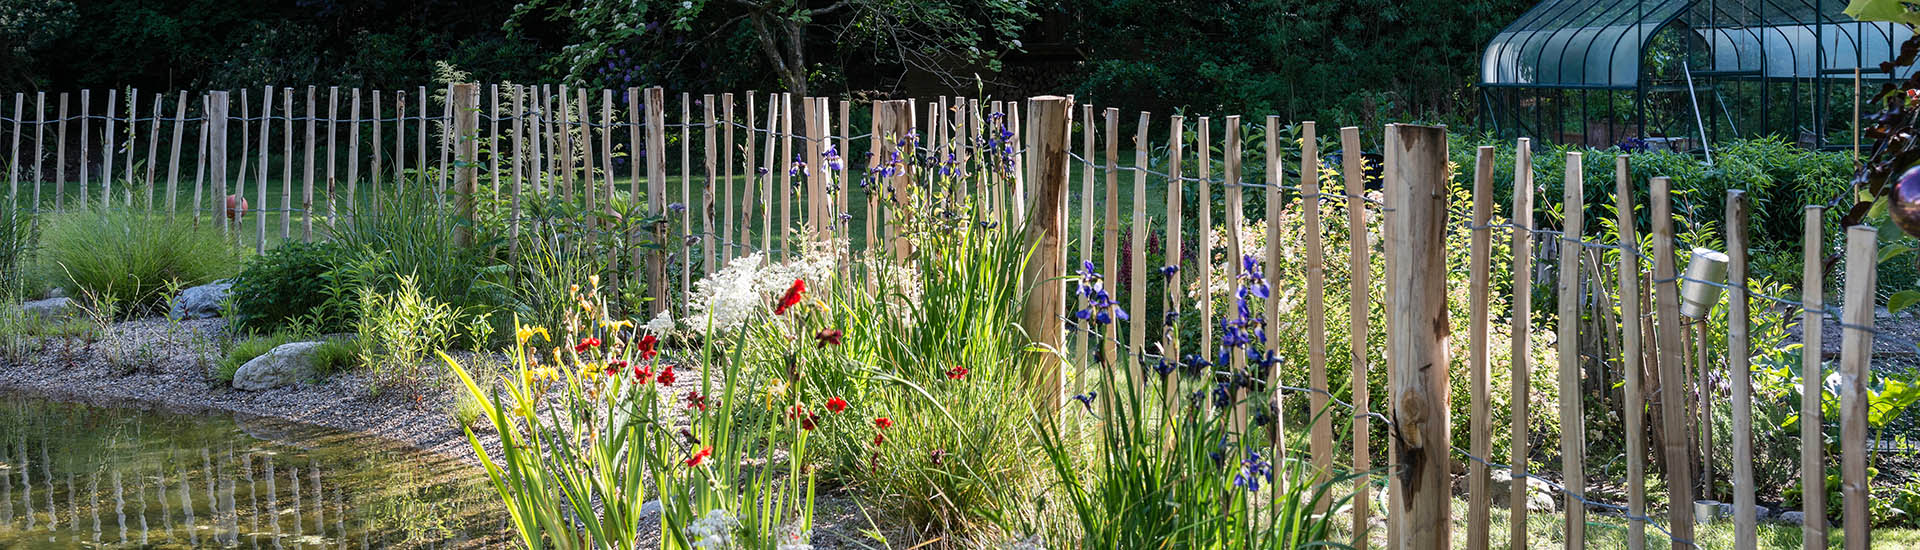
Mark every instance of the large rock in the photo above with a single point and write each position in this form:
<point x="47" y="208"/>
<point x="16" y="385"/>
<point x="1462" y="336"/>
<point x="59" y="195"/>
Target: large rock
<point x="285" y="365"/>
<point x="50" y="308"/>
<point x="1541" y="497"/>
<point x="200" y="302"/>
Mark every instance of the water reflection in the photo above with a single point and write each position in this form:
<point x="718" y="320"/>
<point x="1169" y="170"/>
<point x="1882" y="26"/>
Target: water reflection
<point x="82" y="476"/>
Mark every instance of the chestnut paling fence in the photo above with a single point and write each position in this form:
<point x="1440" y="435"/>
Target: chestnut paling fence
<point x="738" y="173"/>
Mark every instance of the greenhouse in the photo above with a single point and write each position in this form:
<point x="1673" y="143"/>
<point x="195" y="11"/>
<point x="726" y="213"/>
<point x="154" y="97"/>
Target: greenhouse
<point x="1671" y="73"/>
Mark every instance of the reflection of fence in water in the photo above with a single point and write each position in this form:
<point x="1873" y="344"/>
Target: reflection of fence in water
<point x="227" y="497"/>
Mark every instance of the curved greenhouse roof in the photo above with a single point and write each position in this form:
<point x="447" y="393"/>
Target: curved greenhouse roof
<point x="1606" y="44"/>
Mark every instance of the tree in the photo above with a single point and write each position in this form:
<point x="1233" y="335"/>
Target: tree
<point x="610" y="41"/>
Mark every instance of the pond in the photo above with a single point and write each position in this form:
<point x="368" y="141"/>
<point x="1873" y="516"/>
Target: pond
<point x="74" y="476"/>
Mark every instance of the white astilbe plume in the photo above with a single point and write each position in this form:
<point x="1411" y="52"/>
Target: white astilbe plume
<point x="728" y="297"/>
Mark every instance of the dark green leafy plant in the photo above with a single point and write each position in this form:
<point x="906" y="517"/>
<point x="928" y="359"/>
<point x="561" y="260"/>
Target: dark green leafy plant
<point x="288" y="282"/>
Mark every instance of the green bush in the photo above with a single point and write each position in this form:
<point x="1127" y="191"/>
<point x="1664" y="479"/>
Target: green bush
<point x="289" y="282"/>
<point x="399" y="329"/>
<point x="131" y="257"/>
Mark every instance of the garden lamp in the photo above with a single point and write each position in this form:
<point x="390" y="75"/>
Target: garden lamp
<point x="1698" y="295"/>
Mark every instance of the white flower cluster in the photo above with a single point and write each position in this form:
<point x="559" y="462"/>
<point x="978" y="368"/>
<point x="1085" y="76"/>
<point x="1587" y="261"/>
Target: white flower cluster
<point x="792" y="538"/>
<point x="713" y="531"/>
<point x="729" y="297"/>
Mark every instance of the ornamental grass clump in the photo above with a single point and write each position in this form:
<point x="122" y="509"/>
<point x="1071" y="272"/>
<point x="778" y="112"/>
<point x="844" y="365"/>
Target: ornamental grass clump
<point x="131" y="257"/>
<point x="588" y="418"/>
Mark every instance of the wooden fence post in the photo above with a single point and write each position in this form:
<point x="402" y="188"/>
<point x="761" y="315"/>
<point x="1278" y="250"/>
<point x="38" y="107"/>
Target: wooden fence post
<point x="1359" y="269"/>
<point x="1671" y="346"/>
<point x="1630" y="353"/>
<point x="891" y="121"/>
<point x="1521" y="335"/>
<point x="1813" y="471"/>
<point x="1418" y="331"/>
<point x="1479" y="498"/>
<point x="217" y="141"/>
<point x="655" y="155"/>
<point x="466" y="120"/>
<point x="1046" y="234"/>
<point x="1573" y="434"/>
<point x="1739" y="367"/>
<point x="1856" y="350"/>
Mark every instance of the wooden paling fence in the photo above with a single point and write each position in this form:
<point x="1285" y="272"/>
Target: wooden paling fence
<point x="766" y="172"/>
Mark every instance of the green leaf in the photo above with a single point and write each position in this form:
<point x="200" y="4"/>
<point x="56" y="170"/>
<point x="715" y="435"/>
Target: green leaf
<point x="1893" y="250"/>
<point x="1902" y="300"/>
<point x="1883" y="10"/>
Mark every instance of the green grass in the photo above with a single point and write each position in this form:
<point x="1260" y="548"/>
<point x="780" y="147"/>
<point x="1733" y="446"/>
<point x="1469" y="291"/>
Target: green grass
<point x="248" y="229"/>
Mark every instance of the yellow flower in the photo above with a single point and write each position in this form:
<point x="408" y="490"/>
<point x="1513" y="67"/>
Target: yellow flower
<point x="776" y="393"/>
<point x="817" y="304"/>
<point x="615" y="325"/>
<point x="589" y="371"/>
<point x="525" y="333"/>
<point x="547" y="373"/>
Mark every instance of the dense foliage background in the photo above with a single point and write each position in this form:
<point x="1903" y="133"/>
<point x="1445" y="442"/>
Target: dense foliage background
<point x="1349" y="61"/>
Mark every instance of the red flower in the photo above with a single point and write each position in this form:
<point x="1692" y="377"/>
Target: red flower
<point x="957" y="372"/>
<point x="791" y="297"/>
<point x="700" y="456"/>
<point x="646" y="347"/>
<point x="879" y="438"/>
<point x="585" y="344"/>
<point x="696" y="401"/>
<point x="828" y="337"/>
<point x="883" y="423"/>
<point x="836" y="405"/>
<point x="807" y="419"/>
<point x="666" y="377"/>
<point x="642" y="375"/>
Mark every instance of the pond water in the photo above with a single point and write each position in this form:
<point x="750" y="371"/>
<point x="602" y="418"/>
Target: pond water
<point x="80" y="476"/>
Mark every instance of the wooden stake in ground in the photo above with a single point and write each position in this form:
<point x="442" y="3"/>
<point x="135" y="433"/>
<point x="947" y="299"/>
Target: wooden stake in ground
<point x="1671" y="346"/>
<point x="1275" y="260"/>
<point x="465" y="103"/>
<point x="1418" y="330"/>
<point x="655" y="153"/>
<point x="1137" y="252"/>
<point x="1236" y="253"/>
<point x="60" y="156"/>
<point x="1083" y="357"/>
<point x="1573" y="442"/>
<point x="286" y="167"/>
<point x="1175" y="239"/>
<point x="1479" y="498"/>
<point x="86" y="140"/>
<point x="260" y="187"/>
<point x="217" y="127"/>
<point x="1521" y="335"/>
<point x="1045" y="311"/>
<point x="1630" y="354"/>
<point x="173" y="166"/>
<point x="1856" y="351"/>
<point x="1740" y="369"/>
<point x="1813" y="476"/>
<point x="306" y="188"/>
<point x="1359" y="301"/>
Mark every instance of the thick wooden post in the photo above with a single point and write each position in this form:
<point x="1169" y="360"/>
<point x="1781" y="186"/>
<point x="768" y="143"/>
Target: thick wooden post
<point x="656" y="157"/>
<point x="1813" y="476"/>
<point x="1740" y="369"/>
<point x="892" y="120"/>
<point x="1671" y="345"/>
<point x="466" y="121"/>
<point x="1856" y="349"/>
<point x="217" y="127"/>
<point x="1046" y="236"/>
<point x="1418" y="330"/>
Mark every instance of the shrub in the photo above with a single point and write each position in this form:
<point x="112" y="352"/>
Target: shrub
<point x="399" y="329"/>
<point x="131" y="257"/>
<point x="411" y="236"/>
<point x="287" y="282"/>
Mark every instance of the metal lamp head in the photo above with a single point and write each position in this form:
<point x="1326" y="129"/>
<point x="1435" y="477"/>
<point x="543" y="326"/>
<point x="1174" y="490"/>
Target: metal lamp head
<point x="1697" y="298"/>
